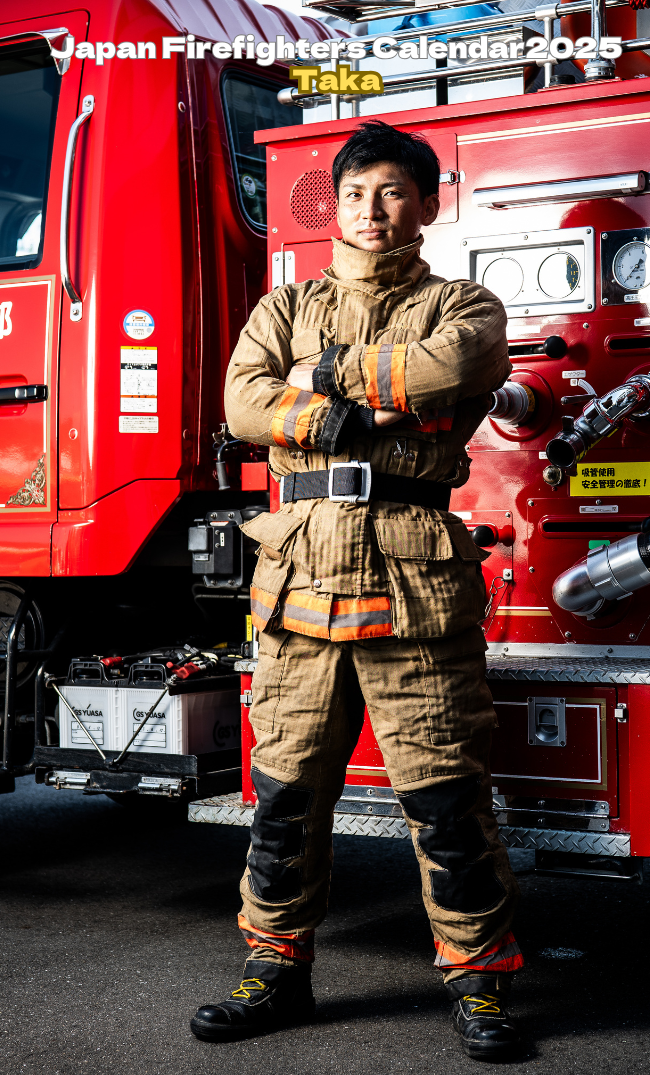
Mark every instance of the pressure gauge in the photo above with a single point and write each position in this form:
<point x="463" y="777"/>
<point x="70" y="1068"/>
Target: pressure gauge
<point x="630" y="266"/>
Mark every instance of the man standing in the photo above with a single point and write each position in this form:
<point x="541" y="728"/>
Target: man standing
<point x="367" y="385"/>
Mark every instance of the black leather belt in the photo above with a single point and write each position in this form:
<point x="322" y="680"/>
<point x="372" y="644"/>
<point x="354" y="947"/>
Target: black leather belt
<point x="356" y="483"/>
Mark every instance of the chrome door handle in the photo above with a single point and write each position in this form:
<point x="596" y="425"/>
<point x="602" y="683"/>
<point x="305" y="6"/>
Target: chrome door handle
<point x="24" y="393"/>
<point x="87" y="108"/>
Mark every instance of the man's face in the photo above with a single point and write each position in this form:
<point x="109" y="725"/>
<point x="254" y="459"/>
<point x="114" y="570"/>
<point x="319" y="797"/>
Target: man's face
<point x="381" y="210"/>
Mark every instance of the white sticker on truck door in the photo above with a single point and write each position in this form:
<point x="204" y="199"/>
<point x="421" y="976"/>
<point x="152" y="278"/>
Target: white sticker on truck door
<point x="139" y="380"/>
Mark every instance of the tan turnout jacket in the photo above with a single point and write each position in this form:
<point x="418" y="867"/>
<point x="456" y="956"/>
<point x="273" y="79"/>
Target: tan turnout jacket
<point x="431" y="348"/>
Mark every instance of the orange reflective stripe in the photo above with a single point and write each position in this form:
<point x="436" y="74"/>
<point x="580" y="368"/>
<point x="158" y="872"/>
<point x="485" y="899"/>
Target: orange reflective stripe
<point x="340" y="620"/>
<point x="503" y="956"/>
<point x="385" y="365"/>
<point x="303" y="420"/>
<point x="370" y="356"/>
<point x="307" y="615"/>
<point x="277" y="424"/>
<point x="262" y="607"/>
<point x="368" y="617"/>
<point x="292" y="945"/>
<point x="291" y="422"/>
<point x="397" y="377"/>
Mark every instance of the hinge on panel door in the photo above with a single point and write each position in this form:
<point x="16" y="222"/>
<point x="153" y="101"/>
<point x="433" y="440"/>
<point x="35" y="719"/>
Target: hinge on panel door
<point x="451" y="177"/>
<point x="283" y="268"/>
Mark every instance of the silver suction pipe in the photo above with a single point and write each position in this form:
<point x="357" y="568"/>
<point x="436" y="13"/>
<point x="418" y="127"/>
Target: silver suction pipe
<point x="605" y="574"/>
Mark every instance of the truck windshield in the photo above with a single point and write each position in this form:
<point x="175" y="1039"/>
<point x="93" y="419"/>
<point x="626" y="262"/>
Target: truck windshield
<point x="29" y="92"/>
<point x="253" y="106"/>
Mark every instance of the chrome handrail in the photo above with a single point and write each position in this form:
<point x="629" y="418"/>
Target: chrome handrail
<point x="87" y="108"/>
<point x="420" y="79"/>
<point x="488" y="22"/>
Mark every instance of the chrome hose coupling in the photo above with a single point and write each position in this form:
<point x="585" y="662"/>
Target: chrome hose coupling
<point x="609" y="573"/>
<point x="599" y="419"/>
<point x="513" y="404"/>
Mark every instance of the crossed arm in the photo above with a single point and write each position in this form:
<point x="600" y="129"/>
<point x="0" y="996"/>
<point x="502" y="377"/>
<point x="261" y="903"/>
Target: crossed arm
<point x="350" y="389"/>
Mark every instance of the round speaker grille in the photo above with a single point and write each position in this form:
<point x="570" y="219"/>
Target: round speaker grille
<point x="313" y="201"/>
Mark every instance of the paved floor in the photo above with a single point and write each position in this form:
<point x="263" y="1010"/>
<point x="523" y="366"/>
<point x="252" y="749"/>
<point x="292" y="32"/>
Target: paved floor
<point x="115" y="927"/>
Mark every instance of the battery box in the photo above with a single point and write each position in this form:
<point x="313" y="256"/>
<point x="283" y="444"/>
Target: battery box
<point x="197" y="716"/>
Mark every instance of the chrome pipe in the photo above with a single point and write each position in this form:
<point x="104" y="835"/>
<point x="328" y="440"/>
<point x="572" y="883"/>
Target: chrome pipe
<point x="404" y="12"/>
<point x="601" y="67"/>
<point x="609" y="573"/>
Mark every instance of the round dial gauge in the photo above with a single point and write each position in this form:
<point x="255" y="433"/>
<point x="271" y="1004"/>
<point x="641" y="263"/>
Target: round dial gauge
<point x="630" y="266"/>
<point x="559" y="275"/>
<point x="504" y="277"/>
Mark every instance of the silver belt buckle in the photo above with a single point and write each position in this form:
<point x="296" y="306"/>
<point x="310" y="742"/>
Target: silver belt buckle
<point x="351" y="498"/>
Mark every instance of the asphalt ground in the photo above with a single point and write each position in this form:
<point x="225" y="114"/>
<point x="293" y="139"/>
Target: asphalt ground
<point x="116" y="926"/>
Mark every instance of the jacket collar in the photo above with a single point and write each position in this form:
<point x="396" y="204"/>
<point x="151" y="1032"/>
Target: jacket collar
<point x="363" y="270"/>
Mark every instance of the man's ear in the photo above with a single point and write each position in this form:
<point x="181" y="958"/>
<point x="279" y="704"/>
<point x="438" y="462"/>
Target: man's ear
<point x="430" y="209"/>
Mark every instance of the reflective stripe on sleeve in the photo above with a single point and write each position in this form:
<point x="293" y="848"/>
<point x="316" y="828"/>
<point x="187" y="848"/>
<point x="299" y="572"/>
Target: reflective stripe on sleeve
<point x="385" y="368"/>
<point x="291" y="421"/>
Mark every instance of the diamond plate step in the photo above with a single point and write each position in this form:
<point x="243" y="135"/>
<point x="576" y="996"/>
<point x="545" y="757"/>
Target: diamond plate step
<point x="229" y="810"/>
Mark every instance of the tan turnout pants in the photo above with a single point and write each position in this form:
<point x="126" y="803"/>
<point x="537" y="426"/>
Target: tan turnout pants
<point x="432" y="714"/>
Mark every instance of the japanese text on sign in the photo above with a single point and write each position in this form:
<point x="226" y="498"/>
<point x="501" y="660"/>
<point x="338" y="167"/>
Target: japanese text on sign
<point x="613" y="479"/>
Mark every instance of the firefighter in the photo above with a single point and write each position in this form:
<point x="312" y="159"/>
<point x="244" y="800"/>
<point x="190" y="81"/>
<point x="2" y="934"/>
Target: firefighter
<point x="367" y="385"/>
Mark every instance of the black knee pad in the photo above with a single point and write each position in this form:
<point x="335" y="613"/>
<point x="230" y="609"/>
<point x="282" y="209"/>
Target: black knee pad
<point x="454" y="840"/>
<point x="277" y="837"/>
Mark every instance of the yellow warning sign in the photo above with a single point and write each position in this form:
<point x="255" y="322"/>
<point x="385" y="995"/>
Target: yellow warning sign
<point x="611" y="479"/>
<point x="249" y="628"/>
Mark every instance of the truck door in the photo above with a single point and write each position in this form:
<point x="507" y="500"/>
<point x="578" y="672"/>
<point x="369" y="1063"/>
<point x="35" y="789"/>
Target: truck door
<point x="39" y="101"/>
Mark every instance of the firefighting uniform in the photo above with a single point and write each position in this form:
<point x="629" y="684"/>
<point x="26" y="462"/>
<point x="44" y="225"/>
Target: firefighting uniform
<point x="376" y="602"/>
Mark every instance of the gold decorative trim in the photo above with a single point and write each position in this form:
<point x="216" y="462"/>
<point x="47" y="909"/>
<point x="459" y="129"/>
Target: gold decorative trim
<point x="554" y="128"/>
<point x="33" y="489"/>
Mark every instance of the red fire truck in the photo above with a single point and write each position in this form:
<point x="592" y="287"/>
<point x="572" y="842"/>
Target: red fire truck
<point x="542" y="200"/>
<point x="132" y="250"/>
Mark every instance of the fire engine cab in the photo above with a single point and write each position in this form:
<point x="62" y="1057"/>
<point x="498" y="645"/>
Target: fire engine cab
<point x="134" y="248"/>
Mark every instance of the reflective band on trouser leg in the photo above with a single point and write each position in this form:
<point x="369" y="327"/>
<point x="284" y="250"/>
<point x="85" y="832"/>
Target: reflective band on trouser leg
<point x="503" y="957"/>
<point x="290" y="945"/>
<point x="290" y="423"/>
<point x="385" y="376"/>
<point x="262" y="607"/>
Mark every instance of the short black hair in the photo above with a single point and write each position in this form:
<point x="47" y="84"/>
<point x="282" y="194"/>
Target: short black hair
<point x="376" y="141"/>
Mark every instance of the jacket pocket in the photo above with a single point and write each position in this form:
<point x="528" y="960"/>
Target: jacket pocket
<point x="306" y="344"/>
<point x="435" y="577"/>
<point x="275" y="534"/>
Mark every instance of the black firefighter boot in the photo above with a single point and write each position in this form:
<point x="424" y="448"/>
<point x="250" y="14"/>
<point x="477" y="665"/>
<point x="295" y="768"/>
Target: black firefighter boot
<point x="270" y="996"/>
<point x="486" y="1031"/>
